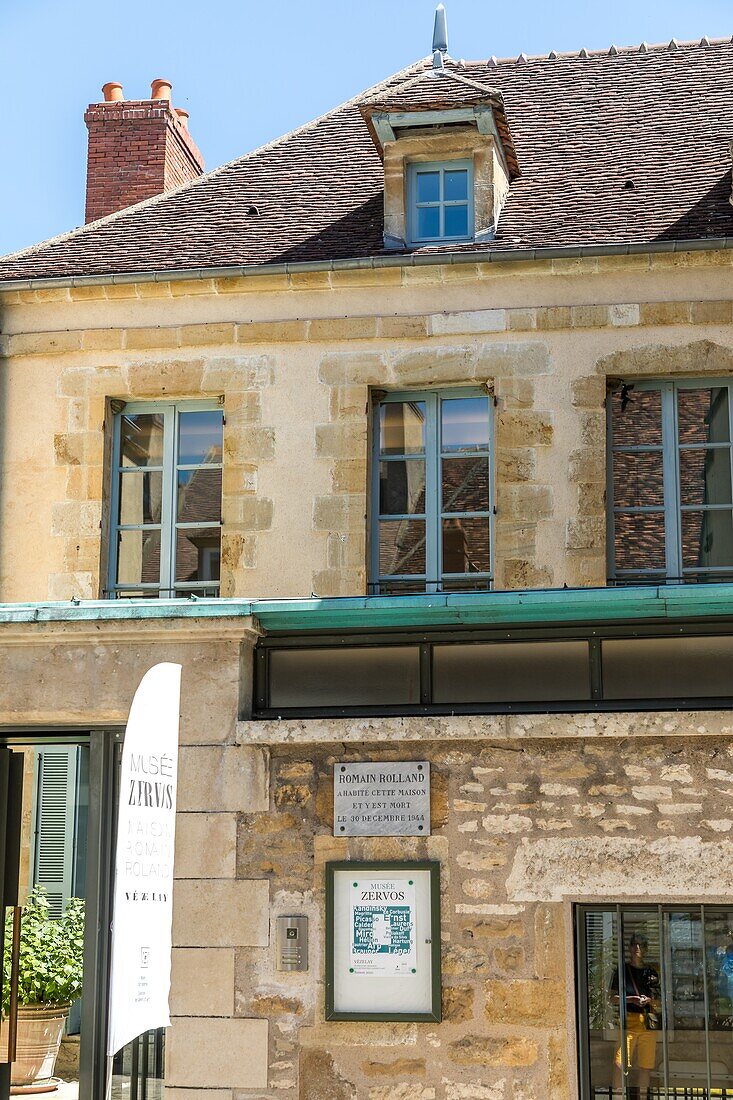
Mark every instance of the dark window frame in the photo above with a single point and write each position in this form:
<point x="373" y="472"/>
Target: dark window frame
<point x="169" y="526"/>
<point x="593" y="635"/>
<point x="433" y="579"/>
<point x="622" y="909"/>
<point x="673" y="510"/>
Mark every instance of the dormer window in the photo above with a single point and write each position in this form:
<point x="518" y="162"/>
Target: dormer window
<point x="440" y="201"/>
<point x="448" y="155"/>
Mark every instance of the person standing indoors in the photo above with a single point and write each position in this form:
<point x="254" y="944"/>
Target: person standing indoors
<point x="642" y="1002"/>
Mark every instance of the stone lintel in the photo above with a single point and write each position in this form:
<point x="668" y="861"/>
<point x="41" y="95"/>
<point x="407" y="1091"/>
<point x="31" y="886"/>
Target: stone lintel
<point x="487" y="728"/>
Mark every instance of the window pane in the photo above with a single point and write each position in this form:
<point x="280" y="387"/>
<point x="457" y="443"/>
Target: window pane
<point x="402" y="487"/>
<point x="667" y="668"/>
<point x="465" y="484"/>
<point x="199" y="495"/>
<point x="350" y="676"/>
<point x="198" y="554"/>
<point x="636" y="417"/>
<point x="141" y="439"/>
<point x="455" y="184"/>
<point x="661" y="981"/>
<point x="428" y="222"/>
<point x="466" y="545"/>
<point x="401" y="547"/>
<point x="138" y="557"/>
<point x="140" y="497"/>
<point x="503" y="673"/>
<point x="455" y="221"/>
<point x="705" y="476"/>
<point x="707" y="539"/>
<point x="402" y="428"/>
<point x="638" y="479"/>
<point x="200" y="437"/>
<point x="702" y="416"/>
<point x="465" y="424"/>
<point x="686" y="996"/>
<point x="719" y="957"/>
<point x="639" y="541"/>
<point x="601" y="1013"/>
<point x="639" y="988"/>
<point x="428" y="186"/>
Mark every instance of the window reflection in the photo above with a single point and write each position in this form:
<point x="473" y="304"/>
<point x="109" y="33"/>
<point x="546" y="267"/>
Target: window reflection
<point x="658" y="1002"/>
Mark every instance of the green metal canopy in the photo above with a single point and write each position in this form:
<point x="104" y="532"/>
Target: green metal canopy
<point x="542" y="607"/>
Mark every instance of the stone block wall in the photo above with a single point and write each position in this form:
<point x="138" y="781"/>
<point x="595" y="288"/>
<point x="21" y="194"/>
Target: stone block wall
<point x="294" y="360"/>
<point x="529" y="814"/>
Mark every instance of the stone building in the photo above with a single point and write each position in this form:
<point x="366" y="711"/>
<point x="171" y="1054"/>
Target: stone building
<point x="409" y="436"/>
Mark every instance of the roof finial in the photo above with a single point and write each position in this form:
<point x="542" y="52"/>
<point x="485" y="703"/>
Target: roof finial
<point x="440" y="37"/>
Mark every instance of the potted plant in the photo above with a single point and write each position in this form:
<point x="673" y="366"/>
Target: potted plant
<point x="50" y="978"/>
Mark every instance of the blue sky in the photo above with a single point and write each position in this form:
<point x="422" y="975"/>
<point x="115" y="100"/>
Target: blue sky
<point x="249" y="71"/>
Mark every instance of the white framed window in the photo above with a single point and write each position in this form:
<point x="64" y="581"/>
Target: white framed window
<point x="670" y="483"/>
<point x="166" y="500"/>
<point x="440" y="201"/>
<point x="432" y="495"/>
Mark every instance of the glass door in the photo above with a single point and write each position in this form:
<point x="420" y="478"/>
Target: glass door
<point x="655" y="1002"/>
<point x="44" y="917"/>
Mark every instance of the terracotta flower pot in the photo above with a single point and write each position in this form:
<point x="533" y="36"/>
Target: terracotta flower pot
<point x="40" y="1028"/>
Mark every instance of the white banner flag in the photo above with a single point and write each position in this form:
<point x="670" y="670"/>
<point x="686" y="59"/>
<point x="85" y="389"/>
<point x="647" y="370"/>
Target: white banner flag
<point x="143" y="896"/>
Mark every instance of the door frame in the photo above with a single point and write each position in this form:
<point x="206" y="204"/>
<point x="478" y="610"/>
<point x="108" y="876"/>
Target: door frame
<point x="103" y="744"/>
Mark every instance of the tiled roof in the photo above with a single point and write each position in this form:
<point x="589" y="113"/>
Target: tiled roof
<point x="629" y="146"/>
<point x="430" y="86"/>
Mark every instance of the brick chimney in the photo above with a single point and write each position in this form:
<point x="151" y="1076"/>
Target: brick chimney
<point x="137" y="148"/>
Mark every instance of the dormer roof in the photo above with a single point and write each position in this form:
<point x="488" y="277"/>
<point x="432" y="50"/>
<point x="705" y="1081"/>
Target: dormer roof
<point x="439" y="95"/>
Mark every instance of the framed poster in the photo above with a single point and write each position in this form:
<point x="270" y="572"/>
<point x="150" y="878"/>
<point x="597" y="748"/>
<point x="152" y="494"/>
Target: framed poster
<point x="383" y="941"/>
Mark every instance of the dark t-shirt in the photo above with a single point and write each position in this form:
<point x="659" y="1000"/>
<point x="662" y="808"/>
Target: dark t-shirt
<point x="647" y="985"/>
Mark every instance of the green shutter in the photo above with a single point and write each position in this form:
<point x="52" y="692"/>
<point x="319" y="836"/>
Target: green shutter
<point x="55" y="822"/>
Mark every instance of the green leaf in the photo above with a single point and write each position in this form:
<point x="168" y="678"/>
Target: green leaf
<point x="51" y="953"/>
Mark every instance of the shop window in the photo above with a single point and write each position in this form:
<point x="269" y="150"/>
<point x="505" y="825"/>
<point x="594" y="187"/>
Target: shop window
<point x="671" y="482"/>
<point x="667" y="668"/>
<point x="166" y="501"/>
<point x="494" y="675"/>
<point x="440" y="202"/>
<point x="498" y="673"/>
<point x="432" y="497"/>
<point x="655" y="1001"/>
<point x="344" y="677"/>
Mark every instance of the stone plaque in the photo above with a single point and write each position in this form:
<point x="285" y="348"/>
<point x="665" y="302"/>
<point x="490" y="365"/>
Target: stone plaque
<point x="382" y="799"/>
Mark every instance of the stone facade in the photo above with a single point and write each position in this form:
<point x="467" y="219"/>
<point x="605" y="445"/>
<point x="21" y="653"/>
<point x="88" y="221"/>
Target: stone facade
<point x="530" y="813"/>
<point x="520" y="828"/>
<point x="293" y="360"/>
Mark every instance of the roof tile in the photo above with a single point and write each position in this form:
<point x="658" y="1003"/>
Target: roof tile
<point x="629" y="146"/>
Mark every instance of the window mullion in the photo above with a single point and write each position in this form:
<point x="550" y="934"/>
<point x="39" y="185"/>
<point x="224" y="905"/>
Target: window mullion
<point x="490" y="459"/>
<point x="167" y="518"/>
<point x="672" y="513"/>
<point x="706" y="998"/>
<point x="114" y="507"/>
<point x="432" y="494"/>
<point x="441" y="202"/>
<point x="610" y="505"/>
<point x="375" y="532"/>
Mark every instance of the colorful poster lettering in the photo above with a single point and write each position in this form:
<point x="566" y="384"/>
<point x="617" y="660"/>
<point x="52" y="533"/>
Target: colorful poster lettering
<point x="382" y="927"/>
